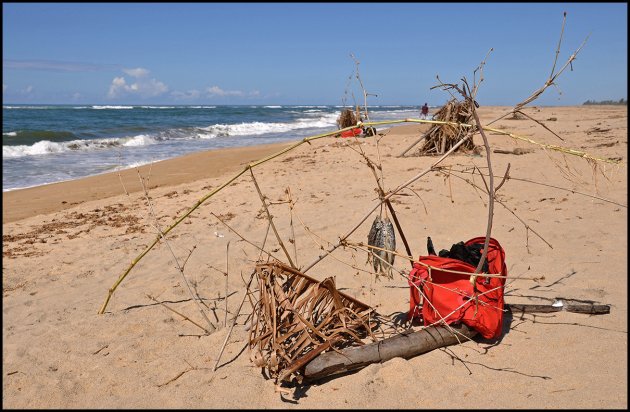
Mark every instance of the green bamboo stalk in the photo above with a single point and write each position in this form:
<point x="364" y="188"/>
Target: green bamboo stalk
<point x="307" y="140"/>
<point x="552" y="146"/>
<point x="157" y="238"/>
<point x="202" y="200"/>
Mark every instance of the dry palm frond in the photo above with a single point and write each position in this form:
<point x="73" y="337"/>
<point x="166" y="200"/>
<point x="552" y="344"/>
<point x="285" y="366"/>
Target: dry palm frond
<point x="441" y="137"/>
<point x="298" y="317"/>
<point x="347" y="118"/>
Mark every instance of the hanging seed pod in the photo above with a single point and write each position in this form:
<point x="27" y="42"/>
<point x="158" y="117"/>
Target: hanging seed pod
<point x="382" y="236"/>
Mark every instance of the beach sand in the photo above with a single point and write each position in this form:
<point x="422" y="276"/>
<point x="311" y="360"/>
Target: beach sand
<point x="65" y="244"/>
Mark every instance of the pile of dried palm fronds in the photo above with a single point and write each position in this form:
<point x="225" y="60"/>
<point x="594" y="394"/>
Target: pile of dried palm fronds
<point x="347" y="118"/>
<point x="441" y="137"/>
<point x="298" y="317"/>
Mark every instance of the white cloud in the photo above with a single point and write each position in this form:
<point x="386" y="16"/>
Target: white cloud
<point x="217" y="91"/>
<point x="28" y="89"/>
<point x="137" y="72"/>
<point x="117" y="87"/>
<point x="143" y="87"/>
<point x="188" y="95"/>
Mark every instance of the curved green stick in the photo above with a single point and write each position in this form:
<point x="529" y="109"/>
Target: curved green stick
<point x="206" y="197"/>
<point x="306" y="140"/>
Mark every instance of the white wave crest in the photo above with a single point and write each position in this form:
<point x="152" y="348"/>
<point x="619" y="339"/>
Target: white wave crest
<point x="139" y="140"/>
<point x="133" y="165"/>
<point x="259" y="128"/>
<point x="11" y="134"/>
<point x="111" y="107"/>
<point x="27" y="107"/>
<point x="206" y="135"/>
<point x="39" y="148"/>
<point x="44" y="147"/>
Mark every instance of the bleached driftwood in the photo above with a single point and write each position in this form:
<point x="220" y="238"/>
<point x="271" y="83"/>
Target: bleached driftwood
<point x="405" y="345"/>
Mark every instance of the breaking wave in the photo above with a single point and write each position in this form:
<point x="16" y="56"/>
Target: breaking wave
<point x="47" y="146"/>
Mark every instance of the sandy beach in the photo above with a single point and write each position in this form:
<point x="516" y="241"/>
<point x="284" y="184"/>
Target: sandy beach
<point x="65" y="244"/>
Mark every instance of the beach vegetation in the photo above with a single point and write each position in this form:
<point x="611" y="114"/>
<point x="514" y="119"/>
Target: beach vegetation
<point x="621" y="101"/>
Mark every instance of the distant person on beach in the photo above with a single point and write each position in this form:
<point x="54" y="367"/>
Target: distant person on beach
<point x="424" y="112"/>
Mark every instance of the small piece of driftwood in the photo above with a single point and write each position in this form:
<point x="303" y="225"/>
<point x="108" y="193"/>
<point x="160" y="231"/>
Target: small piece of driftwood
<point x="560" y="305"/>
<point x="406" y="345"/>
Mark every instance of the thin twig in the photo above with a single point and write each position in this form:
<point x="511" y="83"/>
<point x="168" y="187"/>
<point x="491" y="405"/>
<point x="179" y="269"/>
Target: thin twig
<point x="233" y="323"/>
<point x="421" y="138"/>
<point x="180" y="314"/>
<point x="181" y="271"/>
<point x="390" y="194"/>
<point x="552" y="77"/>
<point x="227" y="274"/>
<point x="551" y="80"/>
<point x="540" y="123"/>
<point x="270" y="218"/>
<point x="291" y="206"/>
<point x="527" y="227"/>
<point x="555" y="187"/>
<point x="365" y="93"/>
<point x="119" y="176"/>
<point x="179" y="375"/>
<point x="555" y="60"/>
<point x="490" y="190"/>
<point x="238" y="311"/>
<point x="381" y="194"/>
<point x="506" y="176"/>
<point x="242" y="238"/>
<point x="188" y="257"/>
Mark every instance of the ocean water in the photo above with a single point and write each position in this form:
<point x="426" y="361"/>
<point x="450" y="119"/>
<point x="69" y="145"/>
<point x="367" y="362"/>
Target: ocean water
<point x="50" y="143"/>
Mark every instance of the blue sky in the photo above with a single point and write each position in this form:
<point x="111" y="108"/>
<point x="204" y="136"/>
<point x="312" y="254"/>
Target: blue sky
<point x="299" y="53"/>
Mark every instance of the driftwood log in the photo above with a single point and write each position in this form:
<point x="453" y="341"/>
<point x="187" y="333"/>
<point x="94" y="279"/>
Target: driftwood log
<point x="409" y="344"/>
<point x="406" y="345"/>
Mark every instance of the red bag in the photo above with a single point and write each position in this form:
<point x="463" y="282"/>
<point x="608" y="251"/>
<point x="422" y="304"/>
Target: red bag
<point x="352" y="132"/>
<point x="450" y="296"/>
